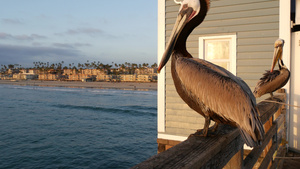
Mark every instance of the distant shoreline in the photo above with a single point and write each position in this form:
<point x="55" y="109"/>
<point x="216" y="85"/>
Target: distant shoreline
<point x="78" y="84"/>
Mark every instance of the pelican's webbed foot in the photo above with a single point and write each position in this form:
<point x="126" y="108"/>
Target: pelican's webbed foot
<point x="215" y="127"/>
<point x="272" y="96"/>
<point x="204" y="132"/>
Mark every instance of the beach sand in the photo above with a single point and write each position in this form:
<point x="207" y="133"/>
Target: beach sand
<point x="77" y="84"/>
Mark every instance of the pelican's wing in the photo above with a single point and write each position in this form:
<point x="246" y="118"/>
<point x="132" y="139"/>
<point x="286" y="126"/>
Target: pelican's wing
<point x="271" y="81"/>
<point x="225" y="72"/>
<point x="221" y="92"/>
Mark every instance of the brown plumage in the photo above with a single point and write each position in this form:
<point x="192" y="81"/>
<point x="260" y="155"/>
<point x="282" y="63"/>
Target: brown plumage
<point x="274" y="79"/>
<point x="210" y="90"/>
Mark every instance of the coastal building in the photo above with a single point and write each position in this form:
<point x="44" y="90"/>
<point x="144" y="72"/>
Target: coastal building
<point x="141" y="75"/>
<point x="103" y="78"/>
<point x="128" y="78"/>
<point x="244" y="32"/>
<point x="143" y="78"/>
<point x="25" y="76"/>
<point x="48" y="76"/>
<point x="146" y="78"/>
<point x="29" y="71"/>
<point x="147" y="70"/>
<point x="69" y="71"/>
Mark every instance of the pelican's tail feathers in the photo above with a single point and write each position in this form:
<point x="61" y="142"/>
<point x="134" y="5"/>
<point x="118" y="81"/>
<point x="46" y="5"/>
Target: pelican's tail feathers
<point x="259" y="127"/>
<point x="255" y="135"/>
<point x="248" y="139"/>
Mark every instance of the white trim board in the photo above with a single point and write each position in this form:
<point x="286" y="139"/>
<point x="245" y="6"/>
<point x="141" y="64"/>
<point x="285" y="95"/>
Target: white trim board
<point x="161" y="76"/>
<point x="171" y="137"/>
<point x="285" y="33"/>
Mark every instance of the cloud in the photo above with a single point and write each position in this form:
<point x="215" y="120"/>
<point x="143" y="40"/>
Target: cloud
<point x="82" y="31"/>
<point x="10" y="21"/>
<point x="63" y="45"/>
<point x="89" y="31"/>
<point x="24" y="55"/>
<point x="21" y="37"/>
<point x="86" y="31"/>
<point x="5" y="35"/>
<point x="71" y="45"/>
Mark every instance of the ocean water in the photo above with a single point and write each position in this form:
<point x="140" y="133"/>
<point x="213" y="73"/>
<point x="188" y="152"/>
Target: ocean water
<point x="47" y="127"/>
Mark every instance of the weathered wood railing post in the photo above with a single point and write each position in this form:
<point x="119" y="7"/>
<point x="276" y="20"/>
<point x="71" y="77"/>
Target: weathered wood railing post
<point x="216" y="151"/>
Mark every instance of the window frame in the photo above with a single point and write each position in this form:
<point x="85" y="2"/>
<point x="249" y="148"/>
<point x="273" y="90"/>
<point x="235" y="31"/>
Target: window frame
<point x="232" y="55"/>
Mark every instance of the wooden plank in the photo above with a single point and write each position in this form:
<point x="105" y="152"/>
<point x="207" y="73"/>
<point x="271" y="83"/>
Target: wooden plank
<point x="188" y="113"/>
<point x="179" y="131"/>
<point x="250" y="76"/>
<point x="268" y="158"/>
<point x="263" y="62"/>
<point x="183" y="118"/>
<point x="234" y="28"/>
<point x="242" y="7"/>
<point x="177" y="106"/>
<point x="233" y="20"/>
<point x="172" y="98"/>
<point x="255" y="55"/>
<point x="259" y="33"/>
<point x="183" y="125"/>
<point x="255" y="153"/>
<point x="214" y="151"/>
<point x="238" y="21"/>
<point x="280" y="120"/>
<point x="256" y="41"/>
<point x="238" y="2"/>
<point x="197" y="152"/>
<point x="268" y="109"/>
<point x="256" y="48"/>
<point x="201" y="30"/>
<point x="226" y="153"/>
<point x="265" y="163"/>
<point x="243" y="14"/>
<point x="236" y="161"/>
<point x="278" y="162"/>
<point x="251" y="69"/>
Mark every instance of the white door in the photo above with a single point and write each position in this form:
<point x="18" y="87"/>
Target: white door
<point x="294" y="118"/>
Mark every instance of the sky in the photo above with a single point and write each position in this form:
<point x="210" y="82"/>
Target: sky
<point x="78" y="31"/>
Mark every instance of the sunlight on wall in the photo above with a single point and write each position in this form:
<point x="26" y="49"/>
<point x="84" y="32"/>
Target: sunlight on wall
<point x="295" y="135"/>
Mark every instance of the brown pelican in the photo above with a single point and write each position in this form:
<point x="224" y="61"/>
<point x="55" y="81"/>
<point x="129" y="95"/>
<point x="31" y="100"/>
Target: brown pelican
<point x="210" y="90"/>
<point x="273" y="80"/>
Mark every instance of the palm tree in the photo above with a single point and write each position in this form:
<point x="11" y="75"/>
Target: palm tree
<point x="154" y="65"/>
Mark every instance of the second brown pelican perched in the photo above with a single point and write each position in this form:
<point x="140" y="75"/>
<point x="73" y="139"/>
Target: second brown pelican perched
<point x="273" y="80"/>
<point x="210" y="90"/>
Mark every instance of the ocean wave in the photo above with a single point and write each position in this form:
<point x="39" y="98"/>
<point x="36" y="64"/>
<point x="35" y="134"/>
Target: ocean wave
<point x="122" y="92"/>
<point x="151" y="108"/>
<point x="61" y="89"/>
<point x="132" y="110"/>
<point x="105" y="92"/>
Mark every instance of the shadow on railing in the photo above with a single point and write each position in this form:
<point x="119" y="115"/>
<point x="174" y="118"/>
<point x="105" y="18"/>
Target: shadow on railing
<point x="226" y="149"/>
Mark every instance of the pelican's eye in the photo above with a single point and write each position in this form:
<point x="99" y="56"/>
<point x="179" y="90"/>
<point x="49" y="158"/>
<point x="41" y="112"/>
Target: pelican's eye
<point x="185" y="6"/>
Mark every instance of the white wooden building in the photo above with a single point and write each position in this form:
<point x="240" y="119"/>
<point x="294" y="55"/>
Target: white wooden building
<point x="245" y="31"/>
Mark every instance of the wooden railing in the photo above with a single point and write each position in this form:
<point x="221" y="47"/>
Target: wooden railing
<point x="226" y="148"/>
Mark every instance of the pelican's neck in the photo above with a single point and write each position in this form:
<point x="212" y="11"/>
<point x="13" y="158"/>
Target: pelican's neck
<point x="180" y="46"/>
<point x="281" y="64"/>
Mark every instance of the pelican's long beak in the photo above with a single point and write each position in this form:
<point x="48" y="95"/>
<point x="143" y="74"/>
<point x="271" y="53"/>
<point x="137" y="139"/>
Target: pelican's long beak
<point x="184" y="16"/>
<point x="277" y="55"/>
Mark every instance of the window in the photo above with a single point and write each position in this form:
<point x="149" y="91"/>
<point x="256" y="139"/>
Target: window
<point x="220" y="50"/>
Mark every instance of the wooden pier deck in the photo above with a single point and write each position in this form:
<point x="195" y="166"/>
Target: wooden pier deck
<point x="291" y="160"/>
<point x="225" y="150"/>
